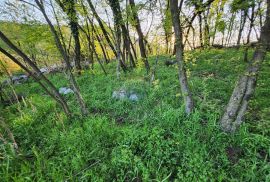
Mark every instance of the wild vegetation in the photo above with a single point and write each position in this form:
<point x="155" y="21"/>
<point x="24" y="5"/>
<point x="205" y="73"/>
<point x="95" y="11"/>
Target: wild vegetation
<point x="104" y="91"/>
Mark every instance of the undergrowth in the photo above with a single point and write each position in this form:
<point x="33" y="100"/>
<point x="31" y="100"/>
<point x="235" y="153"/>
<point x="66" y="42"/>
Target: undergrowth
<point x="148" y="140"/>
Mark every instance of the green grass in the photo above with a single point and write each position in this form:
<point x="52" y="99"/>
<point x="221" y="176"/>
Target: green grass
<point x="151" y="140"/>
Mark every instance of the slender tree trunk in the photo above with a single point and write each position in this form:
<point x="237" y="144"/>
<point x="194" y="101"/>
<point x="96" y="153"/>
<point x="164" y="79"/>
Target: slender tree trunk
<point x="165" y="25"/>
<point x="117" y="24"/>
<point x="103" y="49"/>
<point x="244" y="89"/>
<point x="230" y="29"/>
<point x="2" y="100"/>
<point x="179" y="56"/>
<point x="127" y="44"/>
<point x="95" y="51"/>
<point x="37" y="75"/>
<point x="206" y="30"/>
<point x="92" y="46"/>
<point x="118" y="20"/>
<point x="65" y="56"/>
<point x="260" y="13"/>
<point x="252" y="18"/>
<point x="104" y="31"/>
<point x="133" y="49"/>
<point x="200" y="28"/>
<point x="93" y="32"/>
<point x="68" y="6"/>
<point x="242" y="25"/>
<point x="140" y="34"/>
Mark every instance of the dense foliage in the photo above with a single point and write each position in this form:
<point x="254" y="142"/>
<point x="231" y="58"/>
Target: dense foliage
<point x="152" y="139"/>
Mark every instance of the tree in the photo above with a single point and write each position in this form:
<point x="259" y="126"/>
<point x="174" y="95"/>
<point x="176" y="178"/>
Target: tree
<point x="68" y="6"/>
<point x="140" y="34"/>
<point x="36" y="74"/>
<point x="166" y="23"/>
<point x="66" y="58"/>
<point x="200" y="8"/>
<point x="117" y="16"/>
<point x="102" y="27"/>
<point x="242" y="6"/>
<point x="246" y="84"/>
<point x="180" y="58"/>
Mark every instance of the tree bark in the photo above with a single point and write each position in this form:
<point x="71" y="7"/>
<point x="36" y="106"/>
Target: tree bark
<point x="140" y="34"/>
<point x="244" y="89"/>
<point x="115" y="6"/>
<point x="200" y="29"/>
<point x="230" y="29"/>
<point x="252" y="19"/>
<point x="104" y="31"/>
<point x="37" y="75"/>
<point x="65" y="56"/>
<point x="206" y="29"/>
<point x="242" y="25"/>
<point x="68" y="6"/>
<point x="179" y="57"/>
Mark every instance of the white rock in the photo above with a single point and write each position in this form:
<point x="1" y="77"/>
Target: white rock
<point x="115" y="94"/>
<point x="133" y="97"/>
<point x="19" y="79"/>
<point x="23" y="77"/>
<point x="15" y="78"/>
<point x="44" y="70"/>
<point x="120" y="94"/>
<point x="68" y="91"/>
<point x="124" y="94"/>
<point x="65" y="90"/>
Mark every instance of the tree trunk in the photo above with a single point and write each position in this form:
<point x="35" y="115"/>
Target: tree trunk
<point x="115" y="6"/>
<point x="65" y="56"/>
<point x="127" y="44"/>
<point x="179" y="56"/>
<point x="252" y="19"/>
<point x="206" y="29"/>
<point x="200" y="33"/>
<point x="37" y="75"/>
<point x="92" y="43"/>
<point x="104" y="31"/>
<point x="242" y="25"/>
<point x="230" y="29"/>
<point x="244" y="89"/>
<point x="140" y="34"/>
<point x="68" y="6"/>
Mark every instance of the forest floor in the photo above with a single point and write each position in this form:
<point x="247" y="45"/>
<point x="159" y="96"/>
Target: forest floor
<point x="151" y="139"/>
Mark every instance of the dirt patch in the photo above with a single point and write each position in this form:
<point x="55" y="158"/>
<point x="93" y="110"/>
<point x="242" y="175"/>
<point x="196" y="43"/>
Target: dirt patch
<point x="263" y="154"/>
<point x="121" y="119"/>
<point x="96" y="111"/>
<point x="234" y="153"/>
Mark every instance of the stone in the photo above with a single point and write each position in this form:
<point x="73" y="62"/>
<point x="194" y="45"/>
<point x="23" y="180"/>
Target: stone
<point x="124" y="94"/>
<point x="44" y="70"/>
<point x="65" y="90"/>
<point x="120" y="94"/>
<point x="19" y="79"/>
<point x="23" y="77"/>
<point x="133" y="97"/>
